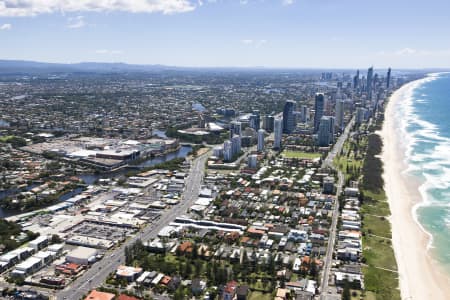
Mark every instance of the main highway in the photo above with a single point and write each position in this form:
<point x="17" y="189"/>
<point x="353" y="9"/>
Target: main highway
<point x="328" y="163"/>
<point x="97" y="274"/>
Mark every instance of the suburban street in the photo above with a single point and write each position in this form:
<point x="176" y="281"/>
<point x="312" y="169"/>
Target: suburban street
<point x="328" y="162"/>
<point x="98" y="273"/>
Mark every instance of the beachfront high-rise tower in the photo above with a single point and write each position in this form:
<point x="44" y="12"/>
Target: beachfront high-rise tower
<point x="288" y="116"/>
<point x="319" y="106"/>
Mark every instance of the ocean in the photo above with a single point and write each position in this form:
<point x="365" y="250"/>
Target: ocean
<point x="423" y="118"/>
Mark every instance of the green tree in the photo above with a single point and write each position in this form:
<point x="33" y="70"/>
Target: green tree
<point x="56" y="239"/>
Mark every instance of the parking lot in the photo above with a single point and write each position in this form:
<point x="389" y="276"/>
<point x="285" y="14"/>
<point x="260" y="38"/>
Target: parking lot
<point x="104" y="231"/>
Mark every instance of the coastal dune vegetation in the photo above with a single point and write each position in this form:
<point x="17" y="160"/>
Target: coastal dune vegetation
<point x="360" y="162"/>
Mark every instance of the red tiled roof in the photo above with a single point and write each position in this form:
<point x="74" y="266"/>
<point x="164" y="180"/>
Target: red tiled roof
<point x="96" y="295"/>
<point x="126" y="297"/>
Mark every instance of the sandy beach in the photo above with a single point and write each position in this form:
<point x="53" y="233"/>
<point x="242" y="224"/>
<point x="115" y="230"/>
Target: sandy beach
<point x="420" y="276"/>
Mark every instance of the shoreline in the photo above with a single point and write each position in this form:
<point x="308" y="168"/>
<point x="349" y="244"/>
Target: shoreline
<point x="420" y="276"/>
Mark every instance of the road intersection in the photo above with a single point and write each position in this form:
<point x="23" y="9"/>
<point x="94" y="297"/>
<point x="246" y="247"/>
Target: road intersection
<point x="97" y="274"/>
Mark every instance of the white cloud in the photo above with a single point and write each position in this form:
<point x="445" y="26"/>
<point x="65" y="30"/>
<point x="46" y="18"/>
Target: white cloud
<point x="21" y="8"/>
<point x="108" y="52"/>
<point x="287" y="2"/>
<point x="255" y="43"/>
<point x="247" y="42"/>
<point x="5" y="27"/>
<point x="76" y="22"/>
<point x="406" y="51"/>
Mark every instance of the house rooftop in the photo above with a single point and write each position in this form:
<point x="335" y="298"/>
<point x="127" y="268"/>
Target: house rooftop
<point x="96" y="295"/>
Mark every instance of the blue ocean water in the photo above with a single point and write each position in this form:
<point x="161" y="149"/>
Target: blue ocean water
<point x="424" y="116"/>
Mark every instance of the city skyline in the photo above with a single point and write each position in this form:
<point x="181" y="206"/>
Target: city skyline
<point x="275" y="34"/>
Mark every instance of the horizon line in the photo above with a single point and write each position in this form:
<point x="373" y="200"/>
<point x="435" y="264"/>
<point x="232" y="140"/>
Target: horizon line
<point x="222" y="67"/>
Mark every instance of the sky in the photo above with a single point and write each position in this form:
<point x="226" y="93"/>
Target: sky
<point x="229" y="33"/>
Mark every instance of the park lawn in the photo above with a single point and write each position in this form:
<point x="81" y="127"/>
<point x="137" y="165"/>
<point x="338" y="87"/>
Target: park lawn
<point x="348" y="163"/>
<point x="260" y="296"/>
<point x="370" y="296"/>
<point x="259" y="285"/>
<point x="353" y="166"/>
<point x="377" y="225"/>
<point x="378" y="252"/>
<point x="379" y="205"/>
<point x="376" y="208"/>
<point x="381" y="284"/>
<point x="380" y="196"/>
<point x="300" y="154"/>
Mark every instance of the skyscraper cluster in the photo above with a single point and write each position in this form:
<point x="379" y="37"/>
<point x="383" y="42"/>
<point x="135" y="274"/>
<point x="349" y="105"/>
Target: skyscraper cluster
<point x="268" y="123"/>
<point x="255" y="120"/>
<point x="235" y="128"/>
<point x="231" y="148"/>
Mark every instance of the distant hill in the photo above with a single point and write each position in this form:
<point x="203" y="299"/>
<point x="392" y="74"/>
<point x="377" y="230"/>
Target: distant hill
<point x="19" y="67"/>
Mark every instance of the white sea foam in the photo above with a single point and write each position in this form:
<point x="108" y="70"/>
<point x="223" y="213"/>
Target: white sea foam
<point x="447" y="221"/>
<point x="416" y="219"/>
<point x="434" y="161"/>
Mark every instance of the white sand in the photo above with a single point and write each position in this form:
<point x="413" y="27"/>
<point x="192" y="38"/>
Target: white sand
<point x="420" y="276"/>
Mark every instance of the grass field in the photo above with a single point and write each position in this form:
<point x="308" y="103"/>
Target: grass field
<point x="379" y="208"/>
<point x="377" y="225"/>
<point x="352" y="165"/>
<point x="381" y="284"/>
<point x="350" y="162"/>
<point x="378" y="251"/>
<point x="370" y="296"/>
<point x="300" y="155"/>
<point x="377" y="245"/>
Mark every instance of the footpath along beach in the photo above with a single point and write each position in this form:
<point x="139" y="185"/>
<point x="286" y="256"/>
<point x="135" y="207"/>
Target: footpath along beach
<point x="420" y="276"/>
